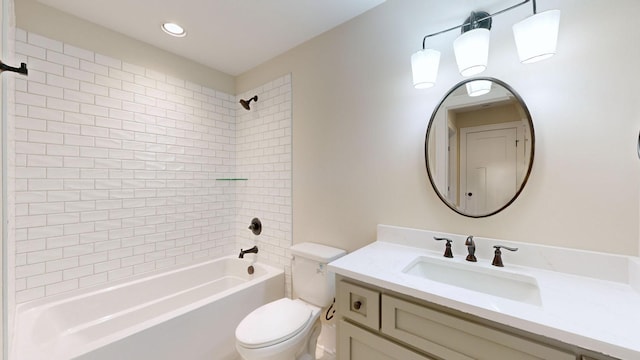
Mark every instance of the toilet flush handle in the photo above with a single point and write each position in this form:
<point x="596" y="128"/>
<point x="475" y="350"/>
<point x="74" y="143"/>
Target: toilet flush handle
<point x="357" y="305"/>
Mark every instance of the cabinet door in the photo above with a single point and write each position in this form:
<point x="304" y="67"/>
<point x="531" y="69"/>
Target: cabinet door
<point x="450" y="337"/>
<point x="355" y="343"/>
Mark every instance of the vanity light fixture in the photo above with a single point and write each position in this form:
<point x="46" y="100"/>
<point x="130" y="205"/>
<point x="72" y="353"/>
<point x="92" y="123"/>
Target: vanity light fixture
<point x="173" y="29"/>
<point x="536" y="39"/>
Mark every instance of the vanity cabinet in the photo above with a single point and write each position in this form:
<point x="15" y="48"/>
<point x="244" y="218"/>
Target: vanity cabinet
<point x="450" y="337"/>
<point x="375" y="323"/>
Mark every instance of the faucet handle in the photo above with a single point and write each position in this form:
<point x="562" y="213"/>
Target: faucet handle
<point x="498" y="247"/>
<point x="447" y="252"/>
<point x="497" y="258"/>
<point x="256" y="226"/>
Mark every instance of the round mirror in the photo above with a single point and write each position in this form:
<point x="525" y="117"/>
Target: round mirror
<point x="479" y="147"/>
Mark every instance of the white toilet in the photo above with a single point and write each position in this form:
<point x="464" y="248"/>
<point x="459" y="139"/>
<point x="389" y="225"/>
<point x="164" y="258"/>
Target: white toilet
<point x="288" y="329"/>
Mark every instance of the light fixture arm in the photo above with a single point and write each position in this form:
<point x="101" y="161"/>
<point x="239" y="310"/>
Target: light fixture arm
<point x="472" y="22"/>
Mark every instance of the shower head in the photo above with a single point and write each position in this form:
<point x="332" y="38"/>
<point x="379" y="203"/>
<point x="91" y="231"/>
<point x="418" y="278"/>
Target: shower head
<point x="245" y="103"/>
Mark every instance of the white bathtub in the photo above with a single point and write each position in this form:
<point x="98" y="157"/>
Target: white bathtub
<point x="187" y="313"/>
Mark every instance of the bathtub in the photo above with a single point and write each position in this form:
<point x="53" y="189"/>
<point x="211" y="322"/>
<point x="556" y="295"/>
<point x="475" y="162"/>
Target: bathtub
<point x="186" y="313"/>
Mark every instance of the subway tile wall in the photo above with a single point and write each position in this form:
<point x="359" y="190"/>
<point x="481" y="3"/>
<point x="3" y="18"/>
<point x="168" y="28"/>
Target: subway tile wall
<point x="116" y="168"/>
<point x="263" y="151"/>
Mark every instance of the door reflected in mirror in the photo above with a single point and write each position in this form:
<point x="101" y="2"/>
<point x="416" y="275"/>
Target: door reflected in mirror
<point x="479" y="147"/>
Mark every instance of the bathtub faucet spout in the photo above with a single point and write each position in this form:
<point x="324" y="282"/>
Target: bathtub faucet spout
<point x="253" y="250"/>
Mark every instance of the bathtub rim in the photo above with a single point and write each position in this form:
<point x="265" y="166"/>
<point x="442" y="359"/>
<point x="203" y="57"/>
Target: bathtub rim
<point x="86" y="347"/>
<point x="106" y="286"/>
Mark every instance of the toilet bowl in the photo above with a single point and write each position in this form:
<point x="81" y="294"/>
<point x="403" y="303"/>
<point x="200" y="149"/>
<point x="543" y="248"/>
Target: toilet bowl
<point x="288" y="329"/>
<point x="284" y="329"/>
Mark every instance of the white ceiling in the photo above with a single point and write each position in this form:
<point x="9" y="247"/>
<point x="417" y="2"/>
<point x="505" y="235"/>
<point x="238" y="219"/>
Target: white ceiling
<point x="232" y="36"/>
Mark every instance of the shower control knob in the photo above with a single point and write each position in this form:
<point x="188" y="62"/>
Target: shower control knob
<point x="357" y="305"/>
<point x="256" y="226"/>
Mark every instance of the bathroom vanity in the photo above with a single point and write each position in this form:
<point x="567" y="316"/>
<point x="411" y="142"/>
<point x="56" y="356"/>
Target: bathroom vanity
<point x="399" y="298"/>
<point x="376" y="323"/>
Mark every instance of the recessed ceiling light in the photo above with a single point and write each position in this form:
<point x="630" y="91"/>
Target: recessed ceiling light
<point x="174" y="29"/>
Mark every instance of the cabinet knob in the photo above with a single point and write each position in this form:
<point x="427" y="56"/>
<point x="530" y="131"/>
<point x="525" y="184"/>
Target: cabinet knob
<point x="357" y="305"/>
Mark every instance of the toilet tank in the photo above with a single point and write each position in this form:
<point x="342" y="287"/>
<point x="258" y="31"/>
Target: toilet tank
<point x="311" y="280"/>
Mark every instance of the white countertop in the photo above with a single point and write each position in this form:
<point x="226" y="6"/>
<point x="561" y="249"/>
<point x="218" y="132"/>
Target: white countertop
<point x="600" y="313"/>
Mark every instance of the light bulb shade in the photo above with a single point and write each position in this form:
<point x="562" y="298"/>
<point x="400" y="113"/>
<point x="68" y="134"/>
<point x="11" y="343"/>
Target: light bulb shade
<point x="472" y="51"/>
<point x="478" y="87"/>
<point x="537" y="36"/>
<point x="424" y="65"/>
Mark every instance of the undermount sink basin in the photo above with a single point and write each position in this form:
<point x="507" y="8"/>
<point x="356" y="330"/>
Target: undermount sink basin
<point x="470" y="276"/>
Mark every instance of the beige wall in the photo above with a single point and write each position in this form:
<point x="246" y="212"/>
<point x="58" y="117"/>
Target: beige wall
<point x="41" y="19"/>
<point x="358" y="126"/>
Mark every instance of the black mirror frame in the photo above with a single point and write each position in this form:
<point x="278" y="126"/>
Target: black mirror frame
<point x="533" y="143"/>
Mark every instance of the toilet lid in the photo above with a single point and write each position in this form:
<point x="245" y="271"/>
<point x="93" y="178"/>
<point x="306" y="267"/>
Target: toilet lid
<point x="273" y="323"/>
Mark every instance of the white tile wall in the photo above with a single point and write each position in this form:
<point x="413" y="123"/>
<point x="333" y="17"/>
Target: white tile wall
<point x="264" y="157"/>
<point x="116" y="169"/>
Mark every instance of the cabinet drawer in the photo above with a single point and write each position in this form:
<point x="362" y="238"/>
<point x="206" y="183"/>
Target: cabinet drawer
<point x="358" y="344"/>
<point x="359" y="304"/>
<point x="453" y="338"/>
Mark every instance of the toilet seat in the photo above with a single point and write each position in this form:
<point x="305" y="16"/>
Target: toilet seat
<point x="273" y="323"/>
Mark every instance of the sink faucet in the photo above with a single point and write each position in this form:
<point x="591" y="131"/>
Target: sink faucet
<point x="471" y="248"/>
<point x="253" y="250"/>
<point x="497" y="259"/>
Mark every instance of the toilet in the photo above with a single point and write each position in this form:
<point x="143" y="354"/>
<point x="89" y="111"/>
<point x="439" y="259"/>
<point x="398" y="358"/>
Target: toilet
<point x="288" y="329"/>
